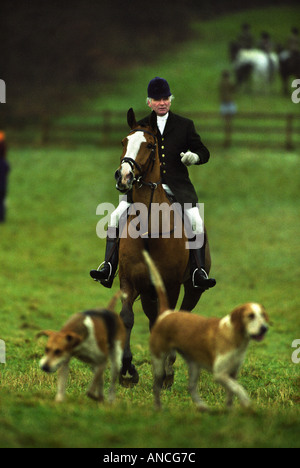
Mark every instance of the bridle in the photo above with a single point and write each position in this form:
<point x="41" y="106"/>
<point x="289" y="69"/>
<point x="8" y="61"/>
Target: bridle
<point x="134" y="165"/>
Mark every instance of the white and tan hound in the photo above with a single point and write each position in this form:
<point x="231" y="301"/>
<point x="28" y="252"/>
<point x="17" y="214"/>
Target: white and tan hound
<point x="92" y="337"/>
<point x="217" y="345"/>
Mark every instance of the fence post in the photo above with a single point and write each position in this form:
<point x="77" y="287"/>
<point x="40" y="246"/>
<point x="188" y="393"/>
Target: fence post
<point x="227" y="130"/>
<point x="289" y="132"/>
<point x="2" y="352"/>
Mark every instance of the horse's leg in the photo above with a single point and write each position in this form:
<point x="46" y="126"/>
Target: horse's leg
<point x="173" y="293"/>
<point x="191" y="296"/>
<point x="150" y="306"/>
<point x="128" y="375"/>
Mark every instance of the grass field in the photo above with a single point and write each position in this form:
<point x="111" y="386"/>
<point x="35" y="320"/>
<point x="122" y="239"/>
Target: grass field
<point x="48" y="246"/>
<point x="194" y="68"/>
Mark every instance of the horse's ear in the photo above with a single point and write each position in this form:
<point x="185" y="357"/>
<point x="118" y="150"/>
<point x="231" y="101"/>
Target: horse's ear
<point x="153" y="121"/>
<point x="131" y="119"/>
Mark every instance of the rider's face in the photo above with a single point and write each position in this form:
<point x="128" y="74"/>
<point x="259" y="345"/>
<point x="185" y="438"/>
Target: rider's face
<point x="160" y="106"/>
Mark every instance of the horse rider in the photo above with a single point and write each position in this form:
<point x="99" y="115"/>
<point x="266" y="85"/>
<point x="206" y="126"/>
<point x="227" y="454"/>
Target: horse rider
<point x="266" y="45"/>
<point x="294" y="42"/>
<point x="292" y="48"/>
<point x="179" y="146"/>
<point x="245" y="39"/>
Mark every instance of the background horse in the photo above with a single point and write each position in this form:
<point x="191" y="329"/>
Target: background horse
<point x="253" y="67"/>
<point x="289" y="66"/>
<point x="140" y="171"/>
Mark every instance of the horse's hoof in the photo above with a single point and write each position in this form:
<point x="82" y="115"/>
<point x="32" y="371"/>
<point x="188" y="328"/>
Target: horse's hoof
<point x="130" y="378"/>
<point x="168" y="381"/>
<point x="94" y="397"/>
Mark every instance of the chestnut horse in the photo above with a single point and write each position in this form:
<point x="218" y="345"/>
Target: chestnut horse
<point x="140" y="172"/>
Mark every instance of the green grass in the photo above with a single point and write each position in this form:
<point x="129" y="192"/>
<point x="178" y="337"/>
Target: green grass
<point x="47" y="247"/>
<point x="194" y="68"/>
<point x="49" y="244"/>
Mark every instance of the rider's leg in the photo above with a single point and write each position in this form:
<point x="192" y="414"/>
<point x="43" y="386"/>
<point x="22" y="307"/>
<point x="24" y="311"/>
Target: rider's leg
<point x="107" y="270"/>
<point x="197" y="241"/>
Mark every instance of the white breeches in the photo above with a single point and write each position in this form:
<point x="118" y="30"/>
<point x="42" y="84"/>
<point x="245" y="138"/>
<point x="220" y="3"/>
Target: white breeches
<point x="195" y="220"/>
<point x="193" y="215"/>
<point x="119" y="211"/>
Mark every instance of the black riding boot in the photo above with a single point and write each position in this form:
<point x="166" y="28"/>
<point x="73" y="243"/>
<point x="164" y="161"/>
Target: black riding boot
<point x="199" y="276"/>
<point x="106" y="274"/>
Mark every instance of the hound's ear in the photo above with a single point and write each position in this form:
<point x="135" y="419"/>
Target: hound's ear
<point x="73" y="338"/>
<point x="237" y="318"/>
<point x="44" y="333"/>
<point x="153" y="121"/>
<point x="131" y="119"/>
<point x="267" y="318"/>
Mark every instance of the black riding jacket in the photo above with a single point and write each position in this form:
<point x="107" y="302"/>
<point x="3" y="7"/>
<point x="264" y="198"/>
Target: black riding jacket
<point x="179" y="136"/>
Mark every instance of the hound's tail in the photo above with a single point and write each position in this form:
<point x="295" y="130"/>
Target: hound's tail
<point x="112" y="303"/>
<point x="158" y="283"/>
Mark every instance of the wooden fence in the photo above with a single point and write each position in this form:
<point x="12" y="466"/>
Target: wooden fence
<point x="244" y="129"/>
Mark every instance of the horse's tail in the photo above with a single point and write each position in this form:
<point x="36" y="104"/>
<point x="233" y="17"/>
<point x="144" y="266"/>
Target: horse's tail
<point x="158" y="283"/>
<point x="112" y="303"/>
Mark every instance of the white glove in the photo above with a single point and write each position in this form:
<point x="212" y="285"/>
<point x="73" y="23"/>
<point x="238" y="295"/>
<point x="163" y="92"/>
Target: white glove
<point x="189" y="158"/>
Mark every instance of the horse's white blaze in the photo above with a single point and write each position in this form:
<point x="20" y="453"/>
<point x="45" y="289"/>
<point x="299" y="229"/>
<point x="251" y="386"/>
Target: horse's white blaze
<point x="134" y="143"/>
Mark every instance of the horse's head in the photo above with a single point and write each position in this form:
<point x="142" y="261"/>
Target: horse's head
<point x="139" y="149"/>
